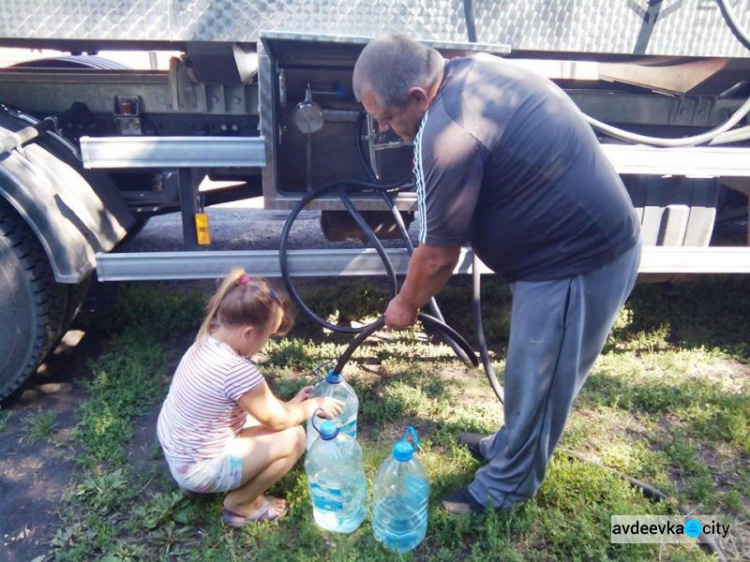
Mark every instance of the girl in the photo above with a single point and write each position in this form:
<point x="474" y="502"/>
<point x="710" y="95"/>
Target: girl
<point x="221" y="427"/>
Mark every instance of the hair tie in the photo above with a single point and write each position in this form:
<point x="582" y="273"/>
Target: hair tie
<point x="274" y="296"/>
<point x="244" y="279"/>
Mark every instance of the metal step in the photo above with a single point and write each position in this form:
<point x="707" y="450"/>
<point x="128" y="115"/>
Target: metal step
<point x="173" y="152"/>
<point x="249" y="152"/>
<point x="695" y="161"/>
<point x="155" y="266"/>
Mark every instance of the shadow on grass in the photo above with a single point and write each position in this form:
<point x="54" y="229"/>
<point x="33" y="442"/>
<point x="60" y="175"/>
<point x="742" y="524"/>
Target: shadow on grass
<point x="711" y="312"/>
<point x="703" y="407"/>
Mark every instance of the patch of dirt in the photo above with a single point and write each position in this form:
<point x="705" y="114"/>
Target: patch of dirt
<point x="35" y="474"/>
<point x="144" y="452"/>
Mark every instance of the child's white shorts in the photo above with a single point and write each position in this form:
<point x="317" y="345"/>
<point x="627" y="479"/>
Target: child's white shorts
<point x="220" y="474"/>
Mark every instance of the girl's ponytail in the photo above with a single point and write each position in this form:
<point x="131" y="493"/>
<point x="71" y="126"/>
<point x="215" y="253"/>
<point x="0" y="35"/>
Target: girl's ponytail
<point x="241" y="299"/>
<point x="212" y="309"/>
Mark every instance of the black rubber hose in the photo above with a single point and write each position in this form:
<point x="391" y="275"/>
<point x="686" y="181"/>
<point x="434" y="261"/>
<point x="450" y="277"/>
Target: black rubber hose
<point x="427" y="320"/>
<point x="468" y="358"/>
<point x="733" y="24"/>
<point x="476" y="310"/>
<point x="391" y="274"/>
<point x="379" y="248"/>
<point x="434" y="308"/>
<point x="360" y="151"/>
<point x="651" y="493"/>
<point x="471" y="28"/>
<point x="283" y="265"/>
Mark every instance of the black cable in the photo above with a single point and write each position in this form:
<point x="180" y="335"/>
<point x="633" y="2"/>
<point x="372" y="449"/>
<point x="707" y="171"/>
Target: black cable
<point x="733" y="24"/>
<point x="341" y="187"/>
<point x="399" y="221"/>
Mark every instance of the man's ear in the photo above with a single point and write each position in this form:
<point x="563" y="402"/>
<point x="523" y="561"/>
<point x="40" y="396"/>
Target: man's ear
<point x="419" y="95"/>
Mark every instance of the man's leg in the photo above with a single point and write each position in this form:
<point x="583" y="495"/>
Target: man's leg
<point x="558" y="329"/>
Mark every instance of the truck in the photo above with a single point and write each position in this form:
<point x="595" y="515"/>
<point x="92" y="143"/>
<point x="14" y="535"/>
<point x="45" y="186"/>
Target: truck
<point x="258" y="95"/>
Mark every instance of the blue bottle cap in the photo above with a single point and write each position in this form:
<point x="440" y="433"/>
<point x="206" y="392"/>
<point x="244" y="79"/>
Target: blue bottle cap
<point x="403" y="451"/>
<point x="333" y="377"/>
<point x="328" y="430"/>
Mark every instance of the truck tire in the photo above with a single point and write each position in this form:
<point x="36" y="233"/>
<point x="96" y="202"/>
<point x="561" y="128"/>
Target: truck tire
<point x="33" y="306"/>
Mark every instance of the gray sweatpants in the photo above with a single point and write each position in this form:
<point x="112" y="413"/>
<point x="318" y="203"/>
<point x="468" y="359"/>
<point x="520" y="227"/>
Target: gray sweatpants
<point x="558" y="328"/>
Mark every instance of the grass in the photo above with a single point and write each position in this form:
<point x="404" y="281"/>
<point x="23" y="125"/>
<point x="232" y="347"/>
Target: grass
<point x="38" y="426"/>
<point x="4" y="417"/>
<point x="667" y="403"/>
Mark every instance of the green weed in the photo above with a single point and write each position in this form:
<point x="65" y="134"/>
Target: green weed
<point x="127" y="382"/>
<point x="158" y="313"/>
<point x="4" y="417"/>
<point x="36" y="427"/>
<point x="161" y="508"/>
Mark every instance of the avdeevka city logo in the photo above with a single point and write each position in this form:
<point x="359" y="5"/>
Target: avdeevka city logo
<point x="693" y="528"/>
<point x="674" y="529"/>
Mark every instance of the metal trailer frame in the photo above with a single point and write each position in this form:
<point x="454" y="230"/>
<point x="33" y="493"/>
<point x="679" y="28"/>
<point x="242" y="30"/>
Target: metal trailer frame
<point x="154" y="266"/>
<point x="210" y="113"/>
<point x="543" y="27"/>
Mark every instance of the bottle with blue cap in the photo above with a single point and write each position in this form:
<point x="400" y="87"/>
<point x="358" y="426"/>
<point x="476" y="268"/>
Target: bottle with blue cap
<point x="336" y="480"/>
<point x="335" y="386"/>
<point x="400" y="496"/>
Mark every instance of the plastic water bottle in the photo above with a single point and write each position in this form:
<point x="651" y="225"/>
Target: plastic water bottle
<point x="336" y="480"/>
<point x="335" y="386"/>
<point x="400" y="496"/>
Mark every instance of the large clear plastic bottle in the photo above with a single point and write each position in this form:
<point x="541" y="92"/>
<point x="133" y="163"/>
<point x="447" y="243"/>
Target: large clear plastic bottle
<point x="336" y="480"/>
<point x="335" y="386"/>
<point x="400" y="496"/>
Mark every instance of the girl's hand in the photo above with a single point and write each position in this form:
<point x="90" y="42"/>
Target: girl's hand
<point x="331" y="406"/>
<point x="302" y="395"/>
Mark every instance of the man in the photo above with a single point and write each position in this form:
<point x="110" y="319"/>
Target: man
<point x="505" y="161"/>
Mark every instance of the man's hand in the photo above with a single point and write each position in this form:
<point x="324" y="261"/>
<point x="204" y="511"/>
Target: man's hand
<point x="400" y="314"/>
<point x="430" y="267"/>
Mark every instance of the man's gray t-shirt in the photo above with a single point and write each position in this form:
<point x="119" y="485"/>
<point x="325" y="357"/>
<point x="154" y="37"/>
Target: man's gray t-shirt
<point x="505" y="161"/>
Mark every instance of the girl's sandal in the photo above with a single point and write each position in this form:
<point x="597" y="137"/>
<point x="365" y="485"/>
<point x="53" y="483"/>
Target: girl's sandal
<point x="268" y="511"/>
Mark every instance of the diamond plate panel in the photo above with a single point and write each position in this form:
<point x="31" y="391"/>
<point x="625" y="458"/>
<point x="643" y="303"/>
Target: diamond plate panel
<point x="75" y="19"/>
<point x="669" y="27"/>
<point x="228" y="20"/>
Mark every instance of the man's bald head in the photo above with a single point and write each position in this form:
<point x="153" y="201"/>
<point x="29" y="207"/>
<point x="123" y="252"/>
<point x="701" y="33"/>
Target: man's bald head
<point x="391" y="65"/>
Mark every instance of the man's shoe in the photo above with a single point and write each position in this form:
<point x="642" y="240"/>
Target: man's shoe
<point x="471" y="440"/>
<point x="460" y="502"/>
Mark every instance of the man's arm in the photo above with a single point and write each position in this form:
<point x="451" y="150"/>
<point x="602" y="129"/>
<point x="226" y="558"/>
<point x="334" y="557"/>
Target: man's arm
<point x="430" y="268"/>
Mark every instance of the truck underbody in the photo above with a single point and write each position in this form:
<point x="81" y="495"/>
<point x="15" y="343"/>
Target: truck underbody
<point x="259" y="95"/>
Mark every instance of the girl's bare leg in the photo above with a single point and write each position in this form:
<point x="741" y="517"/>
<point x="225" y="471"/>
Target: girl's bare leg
<point x="266" y="456"/>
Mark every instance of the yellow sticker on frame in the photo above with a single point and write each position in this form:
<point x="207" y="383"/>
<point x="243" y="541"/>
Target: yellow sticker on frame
<point x="203" y="234"/>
